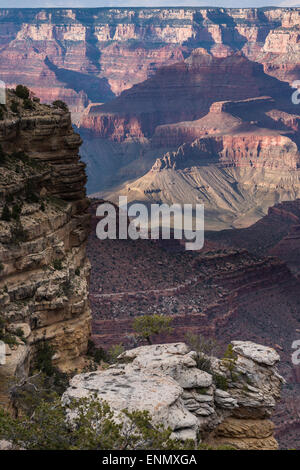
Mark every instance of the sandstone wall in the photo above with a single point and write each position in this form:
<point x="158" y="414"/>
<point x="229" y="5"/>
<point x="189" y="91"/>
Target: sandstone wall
<point x="89" y="55"/>
<point x="44" y="271"/>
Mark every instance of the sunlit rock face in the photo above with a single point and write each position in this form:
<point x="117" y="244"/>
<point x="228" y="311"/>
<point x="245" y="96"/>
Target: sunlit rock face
<point x="165" y="380"/>
<point x="86" y="55"/>
<point x="182" y="92"/>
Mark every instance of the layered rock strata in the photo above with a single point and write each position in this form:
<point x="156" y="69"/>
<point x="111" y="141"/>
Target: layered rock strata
<point x="90" y="54"/>
<point x="226" y="405"/>
<point x="180" y="92"/>
<point x="44" y="271"/>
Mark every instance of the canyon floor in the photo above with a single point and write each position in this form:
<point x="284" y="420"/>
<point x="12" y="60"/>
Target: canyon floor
<point x="233" y="288"/>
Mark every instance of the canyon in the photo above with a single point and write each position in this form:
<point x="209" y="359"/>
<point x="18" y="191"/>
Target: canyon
<point x="141" y="82"/>
<point x="83" y="55"/>
<point x="226" y="140"/>
<point x="173" y="105"/>
<point x="244" y="284"/>
<point x="183" y="91"/>
<point x="45" y="276"/>
<point x="44" y="281"/>
<point x="235" y="166"/>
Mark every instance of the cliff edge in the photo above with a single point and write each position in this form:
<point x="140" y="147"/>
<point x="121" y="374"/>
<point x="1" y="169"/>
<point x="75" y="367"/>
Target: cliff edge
<point x="43" y="230"/>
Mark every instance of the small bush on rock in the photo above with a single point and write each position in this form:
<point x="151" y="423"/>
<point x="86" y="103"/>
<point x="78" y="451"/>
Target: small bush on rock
<point x="14" y="107"/>
<point x="57" y="264"/>
<point x="115" y="351"/>
<point x="2" y="156"/>
<point x="147" y="326"/>
<point x="60" y="104"/>
<point x="6" y="336"/>
<point x="220" y="381"/>
<point x="94" y="426"/>
<point x="18" y="234"/>
<point x="229" y="361"/>
<point x="43" y="358"/>
<point x="6" y="215"/>
<point x="204" y="348"/>
<point x="16" y="211"/>
<point x="22" y="92"/>
<point x="28" y="104"/>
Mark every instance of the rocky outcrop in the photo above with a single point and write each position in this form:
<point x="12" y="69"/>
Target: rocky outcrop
<point x="237" y="177"/>
<point x="230" y="404"/>
<point x="44" y="271"/>
<point x="264" y="149"/>
<point x="254" y="118"/>
<point x="233" y="160"/>
<point x="180" y="92"/>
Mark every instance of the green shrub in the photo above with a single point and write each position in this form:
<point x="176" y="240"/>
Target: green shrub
<point x="57" y="264"/>
<point x="60" y="104"/>
<point x="94" y="426"/>
<point x="28" y="104"/>
<point x="43" y="358"/>
<point x="2" y="156"/>
<point x="147" y="326"/>
<point x="98" y="354"/>
<point x="115" y="351"/>
<point x="229" y="361"/>
<point x="22" y="92"/>
<point x="77" y="272"/>
<point x="203" y="362"/>
<point x="9" y="339"/>
<point x="220" y="381"/>
<point x="16" y="211"/>
<point x="204" y="348"/>
<point x="5" y="336"/>
<point x="20" y="333"/>
<point x="14" y="107"/>
<point x="6" y="215"/>
<point x="18" y="234"/>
